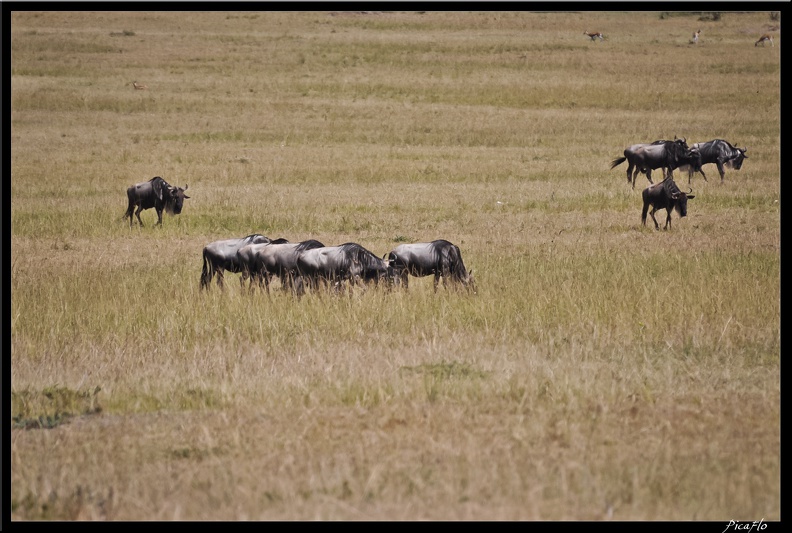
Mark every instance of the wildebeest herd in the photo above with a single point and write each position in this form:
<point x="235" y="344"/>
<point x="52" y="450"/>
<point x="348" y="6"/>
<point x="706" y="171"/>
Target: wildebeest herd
<point x="668" y="156"/>
<point x="310" y="265"/>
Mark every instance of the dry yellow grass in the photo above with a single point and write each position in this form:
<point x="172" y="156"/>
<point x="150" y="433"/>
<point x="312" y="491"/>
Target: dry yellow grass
<point x="603" y="371"/>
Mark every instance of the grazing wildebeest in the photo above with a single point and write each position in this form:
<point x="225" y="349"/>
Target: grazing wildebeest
<point x="279" y="258"/>
<point x="219" y="256"/>
<point x="439" y="258"/>
<point x="664" y="195"/>
<point x="247" y="260"/>
<point x="332" y="265"/>
<point x="156" y="193"/>
<point x="647" y="157"/>
<point x="719" y="152"/>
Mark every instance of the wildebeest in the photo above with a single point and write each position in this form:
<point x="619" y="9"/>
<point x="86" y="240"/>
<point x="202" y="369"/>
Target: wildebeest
<point x="247" y="260"/>
<point x="644" y="158"/>
<point x="439" y="258"/>
<point x="332" y="265"/>
<point x="156" y="193"/>
<point x="719" y="152"/>
<point x="219" y="256"/>
<point x="278" y="258"/>
<point x="664" y="195"/>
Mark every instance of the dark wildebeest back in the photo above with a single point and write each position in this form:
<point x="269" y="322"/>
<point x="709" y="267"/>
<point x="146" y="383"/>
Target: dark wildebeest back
<point x="332" y="265"/>
<point x="156" y="193"/>
<point x="664" y="195"/>
<point x="646" y="157"/>
<point x="439" y="258"/>
<point x="720" y="152"/>
<point x="219" y="256"/>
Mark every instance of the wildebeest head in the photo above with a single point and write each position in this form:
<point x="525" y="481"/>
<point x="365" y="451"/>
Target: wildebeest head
<point x="680" y="199"/>
<point x="691" y="157"/>
<point x="737" y="162"/>
<point x="175" y="200"/>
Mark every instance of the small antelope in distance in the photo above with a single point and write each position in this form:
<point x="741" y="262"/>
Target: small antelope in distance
<point x="763" y="39"/>
<point x="695" y="38"/>
<point x="594" y="35"/>
<point x="139" y="86"/>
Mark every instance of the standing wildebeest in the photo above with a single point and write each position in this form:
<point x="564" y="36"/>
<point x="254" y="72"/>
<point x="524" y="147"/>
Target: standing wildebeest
<point x="439" y="258"/>
<point x="219" y="256"/>
<point x="719" y="152"/>
<point x="156" y="193"/>
<point x="647" y="157"/>
<point x="278" y="258"/>
<point x="664" y="195"/>
<point x="332" y="265"/>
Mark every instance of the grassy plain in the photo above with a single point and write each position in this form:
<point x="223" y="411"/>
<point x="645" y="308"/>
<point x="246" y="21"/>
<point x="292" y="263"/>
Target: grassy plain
<point x="604" y="370"/>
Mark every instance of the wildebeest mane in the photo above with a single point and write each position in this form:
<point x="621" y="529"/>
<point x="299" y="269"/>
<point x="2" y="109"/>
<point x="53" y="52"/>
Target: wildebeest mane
<point x="249" y="238"/>
<point x="671" y="187"/>
<point x="308" y="245"/>
<point x="355" y="252"/>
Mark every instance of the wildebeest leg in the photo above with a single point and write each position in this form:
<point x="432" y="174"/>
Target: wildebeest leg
<point x="652" y="212"/>
<point x="437" y="280"/>
<point x="137" y="214"/>
<point x="722" y="173"/>
<point x="267" y="278"/>
<point x="298" y="286"/>
<point x="220" y="277"/>
<point x="630" y="177"/>
<point x="668" y="218"/>
<point x="159" y="216"/>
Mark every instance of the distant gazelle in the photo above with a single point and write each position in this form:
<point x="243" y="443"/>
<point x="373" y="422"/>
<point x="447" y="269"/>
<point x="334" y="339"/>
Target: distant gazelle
<point x="139" y="86"/>
<point x="763" y="39"/>
<point x="695" y="38"/>
<point x="594" y="35"/>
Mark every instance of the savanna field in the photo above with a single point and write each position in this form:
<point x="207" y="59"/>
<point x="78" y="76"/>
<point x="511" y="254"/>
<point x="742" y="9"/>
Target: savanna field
<point x="603" y="370"/>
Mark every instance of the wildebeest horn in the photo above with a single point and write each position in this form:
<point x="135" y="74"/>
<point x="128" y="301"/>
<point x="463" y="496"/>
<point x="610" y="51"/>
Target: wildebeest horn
<point x="185" y="186"/>
<point x="690" y="190"/>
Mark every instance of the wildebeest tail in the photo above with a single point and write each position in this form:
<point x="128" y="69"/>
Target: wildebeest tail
<point x="205" y="276"/>
<point x="618" y="161"/>
<point x="131" y="204"/>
